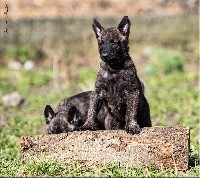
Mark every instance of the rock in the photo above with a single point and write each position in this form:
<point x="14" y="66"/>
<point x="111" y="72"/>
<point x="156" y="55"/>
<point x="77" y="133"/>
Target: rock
<point x="12" y="100"/>
<point x="14" y="65"/>
<point x="28" y="65"/>
<point x="162" y="147"/>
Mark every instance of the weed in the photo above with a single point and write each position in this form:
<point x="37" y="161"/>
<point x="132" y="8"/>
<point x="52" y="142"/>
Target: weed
<point x="24" y="52"/>
<point x="165" y="61"/>
<point x="86" y="78"/>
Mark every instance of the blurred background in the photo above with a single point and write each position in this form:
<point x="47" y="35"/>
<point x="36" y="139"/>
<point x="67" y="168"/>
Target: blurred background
<point x="48" y="51"/>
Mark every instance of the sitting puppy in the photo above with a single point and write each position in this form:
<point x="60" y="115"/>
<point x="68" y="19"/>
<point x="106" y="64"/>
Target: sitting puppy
<point x="72" y="112"/>
<point x="117" y="86"/>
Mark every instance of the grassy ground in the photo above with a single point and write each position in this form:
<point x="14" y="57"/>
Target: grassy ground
<point x="173" y="101"/>
<point x="171" y="77"/>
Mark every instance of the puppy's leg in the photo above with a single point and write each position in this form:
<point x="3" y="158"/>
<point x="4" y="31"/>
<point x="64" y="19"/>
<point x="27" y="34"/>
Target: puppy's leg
<point x="131" y="114"/>
<point x="96" y="102"/>
<point x="111" y="123"/>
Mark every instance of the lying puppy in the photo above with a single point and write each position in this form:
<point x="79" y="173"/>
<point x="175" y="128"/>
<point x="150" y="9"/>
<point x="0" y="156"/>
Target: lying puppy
<point x="71" y="114"/>
<point x="62" y="121"/>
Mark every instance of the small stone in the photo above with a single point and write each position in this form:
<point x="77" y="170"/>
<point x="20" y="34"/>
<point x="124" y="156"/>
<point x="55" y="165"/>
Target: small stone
<point x="28" y="65"/>
<point x="14" y="65"/>
<point x="12" y="100"/>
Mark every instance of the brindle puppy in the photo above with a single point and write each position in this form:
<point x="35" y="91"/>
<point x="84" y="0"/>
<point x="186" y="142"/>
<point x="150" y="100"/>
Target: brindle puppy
<point x="70" y="114"/>
<point x="117" y="86"/>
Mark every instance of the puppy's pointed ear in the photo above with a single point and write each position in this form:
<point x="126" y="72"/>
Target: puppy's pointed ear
<point x="48" y="113"/>
<point x="97" y="28"/>
<point x="124" y="26"/>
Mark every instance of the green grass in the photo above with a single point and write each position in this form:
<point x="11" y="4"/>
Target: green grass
<point x="23" y="53"/>
<point x="165" y="61"/>
<point x="86" y="78"/>
<point x="22" y="81"/>
<point x="52" y="168"/>
<point x="172" y="98"/>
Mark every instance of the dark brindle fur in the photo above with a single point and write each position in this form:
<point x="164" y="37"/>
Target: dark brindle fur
<point x="117" y="86"/>
<point x="72" y="112"/>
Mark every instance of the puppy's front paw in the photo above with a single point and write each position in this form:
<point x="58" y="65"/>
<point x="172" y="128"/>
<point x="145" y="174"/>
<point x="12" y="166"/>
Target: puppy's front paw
<point x="133" y="129"/>
<point x="89" y="126"/>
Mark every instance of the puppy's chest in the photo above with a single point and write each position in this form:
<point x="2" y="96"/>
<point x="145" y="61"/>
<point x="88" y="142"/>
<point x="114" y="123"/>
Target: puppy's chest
<point x="116" y="87"/>
<point x="117" y="83"/>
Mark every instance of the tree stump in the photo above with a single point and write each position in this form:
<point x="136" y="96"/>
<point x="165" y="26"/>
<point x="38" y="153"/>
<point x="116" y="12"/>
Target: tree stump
<point x="162" y="147"/>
